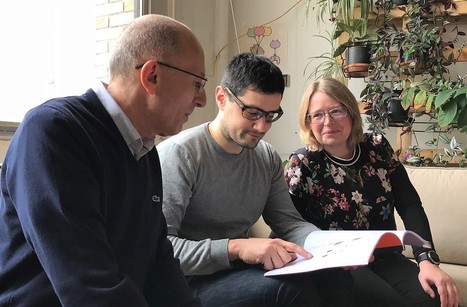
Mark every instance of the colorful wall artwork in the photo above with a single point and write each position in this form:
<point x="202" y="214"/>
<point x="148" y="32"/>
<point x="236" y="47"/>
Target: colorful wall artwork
<point x="267" y="40"/>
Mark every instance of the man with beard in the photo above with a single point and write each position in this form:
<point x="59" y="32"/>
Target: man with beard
<point x="218" y="179"/>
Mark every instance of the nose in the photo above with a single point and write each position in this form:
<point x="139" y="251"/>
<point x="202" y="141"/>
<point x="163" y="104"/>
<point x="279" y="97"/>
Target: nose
<point x="200" y="99"/>
<point x="262" y="125"/>
<point x="327" y="118"/>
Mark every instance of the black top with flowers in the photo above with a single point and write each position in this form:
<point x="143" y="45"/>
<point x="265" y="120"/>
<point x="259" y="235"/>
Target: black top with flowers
<point x="359" y="193"/>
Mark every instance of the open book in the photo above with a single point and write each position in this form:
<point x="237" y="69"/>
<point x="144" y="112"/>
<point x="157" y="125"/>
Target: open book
<point x="343" y="248"/>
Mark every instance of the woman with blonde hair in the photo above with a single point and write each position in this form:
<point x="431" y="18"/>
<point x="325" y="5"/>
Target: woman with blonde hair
<point x="345" y="179"/>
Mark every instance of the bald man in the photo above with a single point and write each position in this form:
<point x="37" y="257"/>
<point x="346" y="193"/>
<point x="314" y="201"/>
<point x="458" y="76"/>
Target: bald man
<point x="81" y="222"/>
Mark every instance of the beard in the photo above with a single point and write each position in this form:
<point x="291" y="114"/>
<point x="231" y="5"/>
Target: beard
<point x="242" y="139"/>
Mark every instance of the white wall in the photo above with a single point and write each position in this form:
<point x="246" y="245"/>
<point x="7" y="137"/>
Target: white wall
<point x="212" y="22"/>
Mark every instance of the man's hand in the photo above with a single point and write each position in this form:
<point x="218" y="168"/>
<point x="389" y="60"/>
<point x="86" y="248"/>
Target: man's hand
<point x="271" y="253"/>
<point x="431" y="274"/>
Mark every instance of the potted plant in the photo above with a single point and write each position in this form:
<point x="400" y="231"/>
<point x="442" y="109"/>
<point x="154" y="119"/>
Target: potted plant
<point x="356" y="47"/>
<point x="350" y="32"/>
<point x="329" y="65"/>
<point x="451" y="155"/>
<point x="423" y="42"/>
<point x="383" y="89"/>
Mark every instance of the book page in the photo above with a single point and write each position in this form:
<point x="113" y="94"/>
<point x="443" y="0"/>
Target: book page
<point x="346" y="248"/>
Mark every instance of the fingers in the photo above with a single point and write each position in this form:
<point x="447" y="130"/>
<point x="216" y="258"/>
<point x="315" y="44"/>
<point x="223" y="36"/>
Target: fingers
<point x="297" y="249"/>
<point x="293" y="255"/>
<point x="445" y="285"/>
<point x="279" y="252"/>
<point x="278" y="260"/>
<point x="267" y="264"/>
<point x="427" y="288"/>
<point x="449" y="295"/>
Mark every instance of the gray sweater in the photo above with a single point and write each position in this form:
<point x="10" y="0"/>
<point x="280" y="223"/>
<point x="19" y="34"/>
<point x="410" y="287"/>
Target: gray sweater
<point x="210" y="196"/>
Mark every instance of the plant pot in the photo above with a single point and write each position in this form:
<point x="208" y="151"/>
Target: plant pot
<point x="399" y="2"/>
<point x="413" y="65"/>
<point x="398" y="117"/>
<point x="418" y="69"/>
<point x="357" y="61"/>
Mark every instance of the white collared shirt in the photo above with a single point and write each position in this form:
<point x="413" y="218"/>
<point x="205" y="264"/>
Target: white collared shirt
<point x="136" y="144"/>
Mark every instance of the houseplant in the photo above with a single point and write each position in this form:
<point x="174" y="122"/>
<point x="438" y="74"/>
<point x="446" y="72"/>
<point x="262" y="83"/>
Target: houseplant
<point x="349" y="33"/>
<point x="329" y="65"/>
<point x="451" y="155"/>
<point x="396" y="56"/>
<point x="382" y="91"/>
<point x="425" y="79"/>
<point x="356" y="46"/>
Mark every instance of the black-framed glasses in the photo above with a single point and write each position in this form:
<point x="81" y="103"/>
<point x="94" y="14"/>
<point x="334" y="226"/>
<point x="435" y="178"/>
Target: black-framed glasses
<point x="318" y="117"/>
<point x="198" y="85"/>
<point x="253" y="113"/>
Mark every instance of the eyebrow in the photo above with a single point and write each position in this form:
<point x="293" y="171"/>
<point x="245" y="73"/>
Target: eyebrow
<point x="331" y="108"/>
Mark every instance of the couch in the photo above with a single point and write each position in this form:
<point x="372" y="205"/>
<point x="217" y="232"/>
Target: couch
<point x="444" y="196"/>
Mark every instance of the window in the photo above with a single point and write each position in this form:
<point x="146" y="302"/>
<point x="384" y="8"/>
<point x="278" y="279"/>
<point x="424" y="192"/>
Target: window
<point x="48" y="50"/>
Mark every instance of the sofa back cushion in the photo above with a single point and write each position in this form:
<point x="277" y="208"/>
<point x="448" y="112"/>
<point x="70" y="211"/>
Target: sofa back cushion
<point x="443" y="192"/>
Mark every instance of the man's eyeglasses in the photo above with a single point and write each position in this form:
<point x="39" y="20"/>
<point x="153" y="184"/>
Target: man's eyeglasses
<point x="253" y="113"/>
<point x="198" y="85"/>
<point x="318" y="117"/>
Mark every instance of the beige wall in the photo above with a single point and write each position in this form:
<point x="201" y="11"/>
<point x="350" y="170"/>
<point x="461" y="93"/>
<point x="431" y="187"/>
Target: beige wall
<point x="3" y="148"/>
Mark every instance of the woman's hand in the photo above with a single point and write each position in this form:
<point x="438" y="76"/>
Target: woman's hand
<point x="431" y="274"/>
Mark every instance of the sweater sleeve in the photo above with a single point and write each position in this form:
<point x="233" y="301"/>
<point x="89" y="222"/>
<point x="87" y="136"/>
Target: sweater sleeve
<point x="197" y="257"/>
<point x="406" y="199"/>
<point x="409" y="206"/>
<point x="280" y="213"/>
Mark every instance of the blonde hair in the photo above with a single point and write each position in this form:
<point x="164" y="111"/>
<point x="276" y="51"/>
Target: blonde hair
<point x="340" y="93"/>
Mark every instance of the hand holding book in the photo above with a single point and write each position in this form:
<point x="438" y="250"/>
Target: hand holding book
<point x="348" y="248"/>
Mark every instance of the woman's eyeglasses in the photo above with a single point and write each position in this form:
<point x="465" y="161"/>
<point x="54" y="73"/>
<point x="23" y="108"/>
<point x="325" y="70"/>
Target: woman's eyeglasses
<point x="318" y="117"/>
<point x="253" y="113"/>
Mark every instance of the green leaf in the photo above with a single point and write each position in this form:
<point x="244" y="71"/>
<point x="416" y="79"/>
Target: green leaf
<point x="461" y="91"/>
<point x="447" y="113"/>
<point x="444" y="138"/>
<point x="414" y="159"/>
<point x="442" y="97"/>
<point x="429" y="103"/>
<point x="462" y="119"/>
<point x="339" y="50"/>
<point x="419" y="100"/>
<point x="407" y="98"/>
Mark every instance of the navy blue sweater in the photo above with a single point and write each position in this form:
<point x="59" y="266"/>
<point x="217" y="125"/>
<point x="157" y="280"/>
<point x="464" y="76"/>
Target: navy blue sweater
<point x="81" y="222"/>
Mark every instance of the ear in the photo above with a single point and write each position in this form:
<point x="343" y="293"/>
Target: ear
<point x="148" y="76"/>
<point x="221" y="97"/>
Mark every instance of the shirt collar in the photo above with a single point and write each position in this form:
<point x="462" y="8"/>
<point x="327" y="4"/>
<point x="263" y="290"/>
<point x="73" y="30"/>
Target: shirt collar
<point x="136" y="144"/>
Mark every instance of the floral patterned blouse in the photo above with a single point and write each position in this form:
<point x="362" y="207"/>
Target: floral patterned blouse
<point x="359" y="193"/>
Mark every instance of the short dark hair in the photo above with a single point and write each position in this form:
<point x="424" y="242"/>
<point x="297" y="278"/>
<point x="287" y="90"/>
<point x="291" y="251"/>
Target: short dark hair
<point x="248" y="71"/>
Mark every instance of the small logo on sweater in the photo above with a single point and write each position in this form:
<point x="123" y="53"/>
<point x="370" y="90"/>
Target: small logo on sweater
<point x="156" y="199"/>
